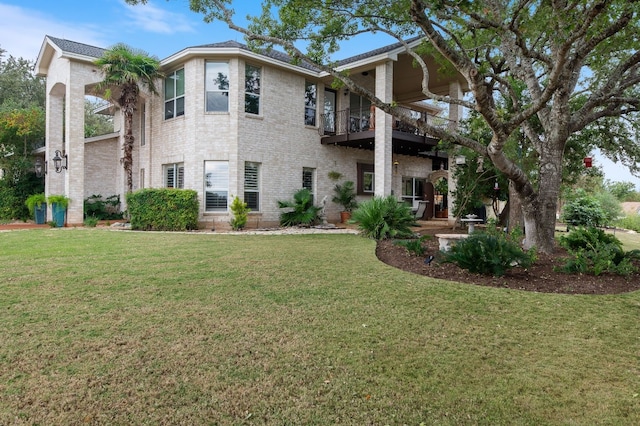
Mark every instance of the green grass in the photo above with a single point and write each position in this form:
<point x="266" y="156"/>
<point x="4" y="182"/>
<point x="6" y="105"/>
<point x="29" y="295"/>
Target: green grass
<point x="104" y="327"/>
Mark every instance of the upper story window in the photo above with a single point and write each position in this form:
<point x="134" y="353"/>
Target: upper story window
<point x="310" y="93"/>
<point x="174" y="94"/>
<point x="252" y="82"/>
<point x="217" y="86"/>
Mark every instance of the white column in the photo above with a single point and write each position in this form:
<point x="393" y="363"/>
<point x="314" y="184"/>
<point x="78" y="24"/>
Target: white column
<point x="383" y="131"/>
<point x="455" y="111"/>
<point x="74" y="148"/>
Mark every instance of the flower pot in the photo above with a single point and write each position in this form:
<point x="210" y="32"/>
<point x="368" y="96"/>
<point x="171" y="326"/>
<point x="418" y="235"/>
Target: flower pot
<point x="40" y="214"/>
<point x="345" y="216"/>
<point x="58" y="213"/>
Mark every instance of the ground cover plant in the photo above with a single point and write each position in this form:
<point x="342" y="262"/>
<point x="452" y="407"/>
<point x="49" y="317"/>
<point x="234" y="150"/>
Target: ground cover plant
<point x="113" y="327"/>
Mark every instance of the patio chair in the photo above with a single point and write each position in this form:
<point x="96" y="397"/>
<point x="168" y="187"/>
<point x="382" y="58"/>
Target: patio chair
<point x="422" y="207"/>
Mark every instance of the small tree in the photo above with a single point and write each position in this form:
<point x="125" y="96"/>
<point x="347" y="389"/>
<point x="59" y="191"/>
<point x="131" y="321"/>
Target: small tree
<point x="584" y="210"/>
<point x="240" y="214"/>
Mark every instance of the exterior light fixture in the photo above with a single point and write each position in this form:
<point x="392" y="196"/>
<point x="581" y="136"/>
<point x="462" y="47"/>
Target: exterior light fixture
<point x="58" y="160"/>
<point x="41" y="168"/>
<point x="395" y="166"/>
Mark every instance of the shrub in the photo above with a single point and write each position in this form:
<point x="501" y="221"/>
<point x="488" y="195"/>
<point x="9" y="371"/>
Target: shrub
<point x="240" y="214"/>
<point x="345" y="195"/>
<point x="583" y="211"/>
<point x="102" y="208"/>
<point x="629" y="222"/>
<point x="414" y="246"/>
<point x="488" y="254"/>
<point x="301" y="210"/>
<point x="164" y="209"/>
<point x="91" y="222"/>
<point x="595" y="252"/>
<point x="60" y="200"/>
<point x="384" y="217"/>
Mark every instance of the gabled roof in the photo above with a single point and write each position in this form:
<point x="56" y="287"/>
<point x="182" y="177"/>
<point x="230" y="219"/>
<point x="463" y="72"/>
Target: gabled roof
<point x="376" y="52"/>
<point x="76" y="48"/>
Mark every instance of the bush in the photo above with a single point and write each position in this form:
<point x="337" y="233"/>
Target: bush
<point x="165" y="209"/>
<point x="301" y="210"/>
<point x="384" y="217"/>
<point x="629" y="222"/>
<point x="583" y="211"/>
<point x="488" y="254"/>
<point x="102" y="208"/>
<point x="595" y="252"/>
<point x="240" y="214"/>
<point x="91" y="222"/>
<point x="414" y="246"/>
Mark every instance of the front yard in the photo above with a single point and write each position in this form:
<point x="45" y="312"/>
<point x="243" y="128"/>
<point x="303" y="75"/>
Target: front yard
<point x="112" y="327"/>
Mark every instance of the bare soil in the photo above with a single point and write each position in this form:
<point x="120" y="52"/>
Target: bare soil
<point x="540" y="277"/>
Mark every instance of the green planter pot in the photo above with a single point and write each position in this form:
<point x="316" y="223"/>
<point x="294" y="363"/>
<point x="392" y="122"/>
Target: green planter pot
<point x="40" y="214"/>
<point x="58" y="214"/>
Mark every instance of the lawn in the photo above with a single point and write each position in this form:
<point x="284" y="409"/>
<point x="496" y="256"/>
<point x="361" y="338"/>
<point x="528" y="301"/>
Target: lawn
<point x="112" y="327"/>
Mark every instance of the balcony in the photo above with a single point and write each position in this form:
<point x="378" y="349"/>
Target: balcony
<point x="356" y="129"/>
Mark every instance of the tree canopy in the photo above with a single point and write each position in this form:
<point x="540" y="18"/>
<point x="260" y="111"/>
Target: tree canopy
<point x="568" y="69"/>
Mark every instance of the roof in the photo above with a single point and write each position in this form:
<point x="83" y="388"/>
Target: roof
<point x="76" y="48"/>
<point x="81" y="49"/>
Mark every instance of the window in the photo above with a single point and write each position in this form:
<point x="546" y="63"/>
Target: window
<point x="217" y="86"/>
<point x="308" y="179"/>
<point x="310" y="93"/>
<point x="174" y="175"/>
<point x="141" y="178"/>
<point x="143" y="123"/>
<point x="216" y="185"/>
<point x="359" y="113"/>
<point x="174" y="94"/>
<point x="413" y="190"/>
<point x="366" y="179"/>
<point x="252" y="80"/>
<point x="252" y="185"/>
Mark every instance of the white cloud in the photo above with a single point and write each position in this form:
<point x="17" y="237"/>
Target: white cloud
<point x="152" y="18"/>
<point x="22" y="31"/>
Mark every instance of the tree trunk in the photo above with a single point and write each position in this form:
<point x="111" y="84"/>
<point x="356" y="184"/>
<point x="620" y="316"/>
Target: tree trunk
<point x="515" y="219"/>
<point x="128" y="102"/>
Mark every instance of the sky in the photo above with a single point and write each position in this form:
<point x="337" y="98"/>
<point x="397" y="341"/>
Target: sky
<point x="160" y="28"/>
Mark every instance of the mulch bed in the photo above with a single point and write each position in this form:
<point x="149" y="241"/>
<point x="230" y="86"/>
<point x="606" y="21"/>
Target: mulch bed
<point x="540" y="277"/>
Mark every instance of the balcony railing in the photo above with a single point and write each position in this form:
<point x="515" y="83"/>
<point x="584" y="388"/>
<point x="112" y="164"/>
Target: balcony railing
<point x="353" y="121"/>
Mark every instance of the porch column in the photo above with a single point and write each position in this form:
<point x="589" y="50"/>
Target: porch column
<point x="74" y="148"/>
<point x="383" y="131"/>
<point x="455" y="111"/>
<point x="54" y="182"/>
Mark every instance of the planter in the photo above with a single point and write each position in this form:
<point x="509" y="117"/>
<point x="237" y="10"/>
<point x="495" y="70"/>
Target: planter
<point x="40" y="214"/>
<point x="58" y="213"/>
<point x="345" y="216"/>
<point x="442" y="213"/>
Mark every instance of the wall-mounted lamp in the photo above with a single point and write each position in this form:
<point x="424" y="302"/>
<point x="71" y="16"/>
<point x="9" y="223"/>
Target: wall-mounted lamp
<point x="41" y="168"/>
<point x="395" y="166"/>
<point x="58" y="160"/>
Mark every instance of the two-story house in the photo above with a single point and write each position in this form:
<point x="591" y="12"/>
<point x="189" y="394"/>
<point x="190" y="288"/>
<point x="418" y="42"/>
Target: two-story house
<point x="229" y="121"/>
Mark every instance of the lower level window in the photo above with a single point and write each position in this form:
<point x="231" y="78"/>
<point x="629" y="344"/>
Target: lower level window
<point x="366" y="179"/>
<point x="308" y="179"/>
<point x="174" y="175"/>
<point x="252" y="185"/>
<point x="216" y="185"/>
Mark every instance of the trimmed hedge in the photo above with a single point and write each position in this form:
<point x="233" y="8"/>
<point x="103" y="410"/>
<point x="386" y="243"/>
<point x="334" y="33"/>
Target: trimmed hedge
<point x="163" y="209"/>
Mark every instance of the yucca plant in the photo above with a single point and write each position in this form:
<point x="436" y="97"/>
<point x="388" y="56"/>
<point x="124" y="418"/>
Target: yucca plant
<point x="301" y="210"/>
<point x="384" y="217"/>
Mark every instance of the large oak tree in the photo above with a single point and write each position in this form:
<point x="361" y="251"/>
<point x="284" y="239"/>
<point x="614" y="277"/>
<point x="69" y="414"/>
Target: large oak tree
<point x="566" y="67"/>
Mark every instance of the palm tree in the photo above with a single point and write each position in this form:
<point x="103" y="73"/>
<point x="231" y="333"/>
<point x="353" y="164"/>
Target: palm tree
<point x="126" y="69"/>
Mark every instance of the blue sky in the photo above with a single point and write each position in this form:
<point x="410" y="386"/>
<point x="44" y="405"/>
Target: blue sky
<point x="161" y="28"/>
